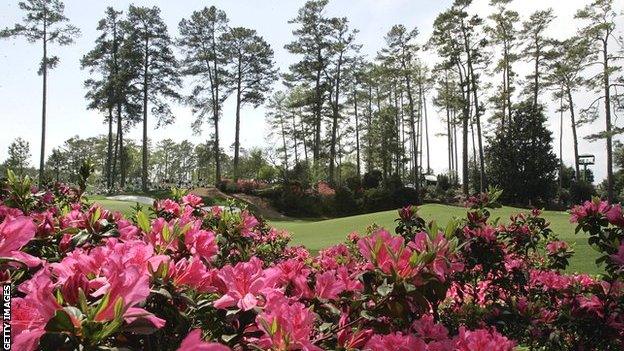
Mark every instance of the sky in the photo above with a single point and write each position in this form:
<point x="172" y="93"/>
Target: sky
<point x="20" y="86"/>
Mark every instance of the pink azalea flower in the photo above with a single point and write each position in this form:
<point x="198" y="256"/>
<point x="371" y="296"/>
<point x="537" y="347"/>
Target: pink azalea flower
<point x="15" y="232"/>
<point x="169" y="206"/>
<point x="201" y="242"/>
<point x="6" y="211"/>
<point x="127" y="230"/>
<point x="193" y="342"/>
<point x="192" y="273"/>
<point x="488" y="233"/>
<point x="248" y="223"/>
<point x="29" y="315"/>
<point x="592" y="304"/>
<point x="554" y="247"/>
<point x="327" y="286"/>
<point x="427" y="329"/>
<point x="549" y="280"/>
<point x="192" y="200"/>
<point x="590" y="208"/>
<point x="44" y="222"/>
<point x="388" y="253"/>
<point x="350" y="281"/>
<point x="286" y="325"/>
<point x="395" y="342"/>
<point x="614" y="215"/>
<point x="618" y="258"/>
<point x="293" y="276"/>
<point x="407" y="212"/>
<point x="349" y="339"/>
<point x="245" y="282"/>
<point x="482" y="340"/>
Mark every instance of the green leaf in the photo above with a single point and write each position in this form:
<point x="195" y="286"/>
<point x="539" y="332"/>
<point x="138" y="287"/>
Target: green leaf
<point x="143" y="221"/>
<point x="103" y="304"/>
<point x="61" y="322"/>
<point x="385" y="289"/>
<point x="141" y="326"/>
<point x="119" y="308"/>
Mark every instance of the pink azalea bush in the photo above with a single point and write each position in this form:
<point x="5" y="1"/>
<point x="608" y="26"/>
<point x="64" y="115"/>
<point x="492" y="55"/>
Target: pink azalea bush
<point x="178" y="277"/>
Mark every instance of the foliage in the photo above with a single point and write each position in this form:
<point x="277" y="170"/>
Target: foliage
<point x="508" y="163"/>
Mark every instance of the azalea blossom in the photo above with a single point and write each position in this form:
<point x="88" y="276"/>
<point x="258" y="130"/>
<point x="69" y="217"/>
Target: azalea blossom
<point x="245" y="283"/>
<point x="193" y="342"/>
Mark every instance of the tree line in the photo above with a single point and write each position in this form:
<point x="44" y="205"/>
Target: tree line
<point x="339" y="111"/>
<point x="373" y="112"/>
<point x="172" y="163"/>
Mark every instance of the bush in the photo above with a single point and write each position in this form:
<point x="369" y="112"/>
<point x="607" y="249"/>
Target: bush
<point x="377" y="199"/>
<point x="87" y="278"/>
<point x="372" y="179"/>
<point x="345" y="203"/>
<point x="581" y="191"/>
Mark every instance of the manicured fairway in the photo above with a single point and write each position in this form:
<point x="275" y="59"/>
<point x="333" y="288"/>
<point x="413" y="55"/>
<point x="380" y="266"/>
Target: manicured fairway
<point x="318" y="234"/>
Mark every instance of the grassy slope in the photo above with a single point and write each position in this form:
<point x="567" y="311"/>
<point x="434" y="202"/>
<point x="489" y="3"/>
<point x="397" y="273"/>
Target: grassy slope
<point x="316" y="235"/>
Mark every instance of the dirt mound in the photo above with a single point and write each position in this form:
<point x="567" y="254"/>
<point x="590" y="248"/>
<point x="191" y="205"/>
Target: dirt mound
<point x="260" y="205"/>
<point x="210" y="192"/>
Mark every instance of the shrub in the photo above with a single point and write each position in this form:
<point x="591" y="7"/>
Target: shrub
<point x="86" y="278"/>
<point x="581" y="191"/>
<point x="372" y="179"/>
<point x="344" y="202"/>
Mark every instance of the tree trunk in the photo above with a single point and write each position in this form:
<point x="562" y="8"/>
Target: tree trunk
<point x="318" y="116"/>
<point x="369" y="127"/>
<point x="238" y="107"/>
<point x="294" y="136"/>
<point x="410" y="104"/>
<point x="357" y="133"/>
<point x="574" y="137"/>
<point x="145" y="91"/>
<point x="332" y="147"/>
<point x="508" y="64"/>
<point x="536" y="78"/>
<point x="122" y="162"/>
<point x="426" y="133"/>
<point x="109" y="151"/>
<point x="465" y="118"/>
<point x="215" y="117"/>
<point x="44" y="97"/>
<point x="477" y="111"/>
<point x="561" y="143"/>
<point x="605" y="56"/>
<point x="284" y="145"/>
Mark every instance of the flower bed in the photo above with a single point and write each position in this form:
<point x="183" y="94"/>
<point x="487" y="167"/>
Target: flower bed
<point x="179" y="277"/>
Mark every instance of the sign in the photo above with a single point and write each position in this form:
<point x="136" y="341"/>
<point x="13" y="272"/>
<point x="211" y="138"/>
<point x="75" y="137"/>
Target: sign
<point x="586" y="159"/>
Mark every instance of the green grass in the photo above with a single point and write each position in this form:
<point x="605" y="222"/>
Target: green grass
<point x="318" y="234"/>
<point x="124" y="207"/>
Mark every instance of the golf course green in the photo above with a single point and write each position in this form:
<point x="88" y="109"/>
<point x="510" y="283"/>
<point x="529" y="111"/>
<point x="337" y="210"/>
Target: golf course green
<point x="318" y="234"/>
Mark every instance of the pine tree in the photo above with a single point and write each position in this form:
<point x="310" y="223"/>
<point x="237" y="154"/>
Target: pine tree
<point x="600" y="18"/>
<point x="253" y="73"/>
<point x="44" y="21"/>
<point x="566" y="78"/>
<point x="158" y="74"/>
<point x="400" y="53"/>
<point x="205" y="60"/>
<point x="312" y="44"/>
<point x="537" y="47"/>
<point x="19" y="156"/>
<point x="520" y="157"/>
